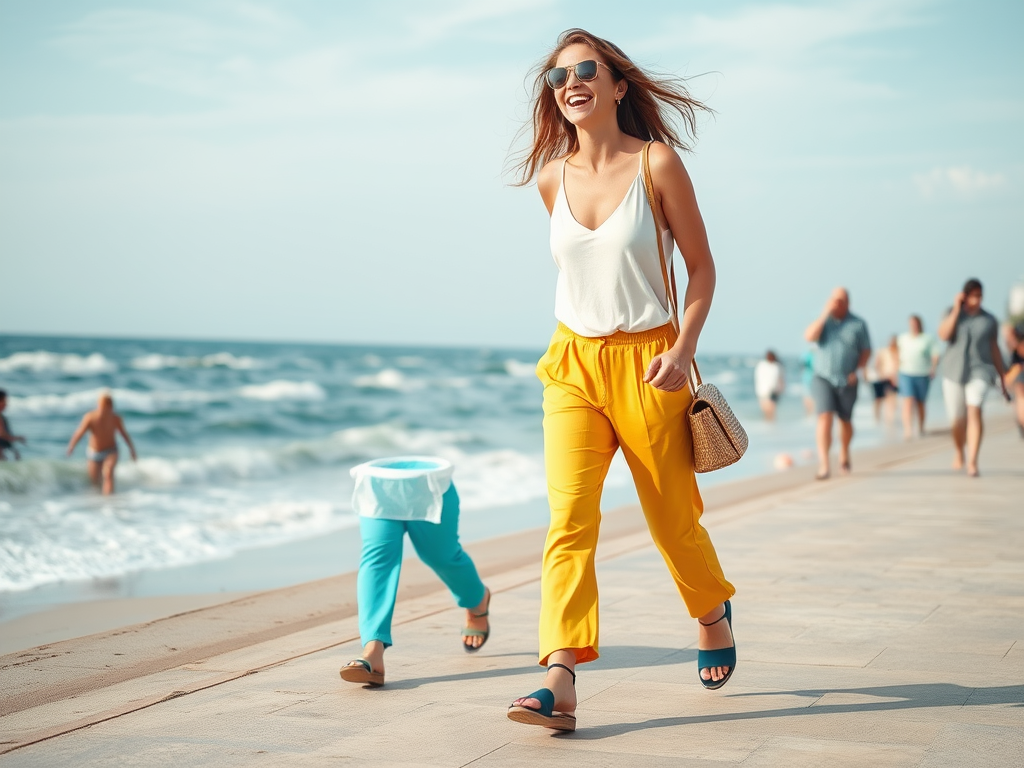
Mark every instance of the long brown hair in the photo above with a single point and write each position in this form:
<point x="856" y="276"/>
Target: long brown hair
<point x="645" y="112"/>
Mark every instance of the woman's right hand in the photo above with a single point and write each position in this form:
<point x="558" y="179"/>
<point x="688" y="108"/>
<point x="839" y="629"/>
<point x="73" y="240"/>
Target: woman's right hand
<point x="669" y="371"/>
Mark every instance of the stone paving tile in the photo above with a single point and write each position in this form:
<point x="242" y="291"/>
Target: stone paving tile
<point x="794" y="752"/>
<point x="443" y="734"/>
<point x="930" y="660"/>
<point x="1013" y="662"/>
<point x="555" y="757"/>
<point x="963" y="744"/>
<point x="1009" y="716"/>
<point x="831" y="654"/>
<point x="105" y="699"/>
<point x="290" y="645"/>
<point x="673" y="700"/>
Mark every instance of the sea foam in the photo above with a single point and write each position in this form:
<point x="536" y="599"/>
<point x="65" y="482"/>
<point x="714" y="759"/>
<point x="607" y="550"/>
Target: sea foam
<point x="389" y="378"/>
<point x="157" y="362"/>
<point x="166" y="401"/>
<point x="284" y="390"/>
<point x="42" y="361"/>
<point x="143" y="531"/>
<point x="47" y="477"/>
<point x="519" y="369"/>
<point x="77" y="403"/>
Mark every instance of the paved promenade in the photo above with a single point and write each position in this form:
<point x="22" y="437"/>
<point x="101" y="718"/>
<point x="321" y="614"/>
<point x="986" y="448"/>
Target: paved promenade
<point x="879" y="622"/>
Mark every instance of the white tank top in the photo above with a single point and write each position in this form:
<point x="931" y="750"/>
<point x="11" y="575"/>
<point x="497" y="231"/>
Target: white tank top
<point x="609" y="278"/>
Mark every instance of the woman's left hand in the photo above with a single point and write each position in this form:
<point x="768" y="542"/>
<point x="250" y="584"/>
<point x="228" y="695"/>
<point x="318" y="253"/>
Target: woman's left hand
<point x="669" y="371"/>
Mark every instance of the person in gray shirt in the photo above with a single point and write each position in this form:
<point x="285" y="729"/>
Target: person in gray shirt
<point x="971" y="365"/>
<point x="843" y="346"/>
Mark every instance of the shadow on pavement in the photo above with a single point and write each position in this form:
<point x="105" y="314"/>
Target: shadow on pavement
<point x="921" y="695"/>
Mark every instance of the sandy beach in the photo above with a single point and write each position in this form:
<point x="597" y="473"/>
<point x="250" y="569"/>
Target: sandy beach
<point x="801" y="547"/>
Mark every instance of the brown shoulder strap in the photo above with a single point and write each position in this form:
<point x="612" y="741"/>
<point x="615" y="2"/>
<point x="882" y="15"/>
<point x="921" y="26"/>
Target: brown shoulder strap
<point x="670" y="285"/>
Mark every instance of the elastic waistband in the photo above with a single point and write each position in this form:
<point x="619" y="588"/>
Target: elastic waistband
<point x="622" y="338"/>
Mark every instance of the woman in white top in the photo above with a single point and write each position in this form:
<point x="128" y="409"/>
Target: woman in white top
<point x="616" y="372"/>
<point x="919" y="357"/>
<point x="769" y="383"/>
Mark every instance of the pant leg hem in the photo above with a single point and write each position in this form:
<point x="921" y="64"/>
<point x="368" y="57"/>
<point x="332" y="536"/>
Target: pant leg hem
<point x="463" y="603"/>
<point x="583" y="655"/>
<point x="696" y="610"/>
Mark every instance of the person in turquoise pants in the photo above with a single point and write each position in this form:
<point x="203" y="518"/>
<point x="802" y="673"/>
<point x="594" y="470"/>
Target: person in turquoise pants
<point x="380" y="565"/>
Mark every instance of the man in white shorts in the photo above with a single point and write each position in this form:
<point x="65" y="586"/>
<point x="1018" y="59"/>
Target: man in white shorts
<point x="971" y="365"/>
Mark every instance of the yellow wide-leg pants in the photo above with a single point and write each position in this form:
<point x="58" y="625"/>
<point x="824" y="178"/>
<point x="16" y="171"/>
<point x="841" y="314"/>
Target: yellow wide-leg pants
<point x="595" y="402"/>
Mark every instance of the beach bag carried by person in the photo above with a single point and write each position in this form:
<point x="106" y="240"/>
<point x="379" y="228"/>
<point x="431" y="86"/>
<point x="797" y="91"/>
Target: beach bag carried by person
<point x="407" y="488"/>
<point x="718" y="437"/>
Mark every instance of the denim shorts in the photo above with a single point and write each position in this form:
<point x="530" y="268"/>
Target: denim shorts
<point x="914" y="386"/>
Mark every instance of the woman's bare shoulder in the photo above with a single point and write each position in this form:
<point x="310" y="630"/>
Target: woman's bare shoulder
<point x="665" y="160"/>
<point x="548" y="181"/>
<point x="551" y="173"/>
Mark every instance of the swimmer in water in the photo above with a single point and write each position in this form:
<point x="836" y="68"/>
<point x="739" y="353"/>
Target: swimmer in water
<point x="7" y="438"/>
<point x="101" y="453"/>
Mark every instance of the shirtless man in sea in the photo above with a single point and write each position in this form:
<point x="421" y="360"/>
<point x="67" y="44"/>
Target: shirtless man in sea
<point x="103" y="425"/>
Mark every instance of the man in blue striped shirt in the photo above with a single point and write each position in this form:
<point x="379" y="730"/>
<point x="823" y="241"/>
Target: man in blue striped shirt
<point x="843" y="346"/>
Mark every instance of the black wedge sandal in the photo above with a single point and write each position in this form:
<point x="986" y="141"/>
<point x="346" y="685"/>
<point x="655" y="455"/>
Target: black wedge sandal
<point x="546" y="716"/>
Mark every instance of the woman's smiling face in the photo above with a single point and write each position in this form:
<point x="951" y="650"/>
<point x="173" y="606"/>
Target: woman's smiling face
<point x="578" y="100"/>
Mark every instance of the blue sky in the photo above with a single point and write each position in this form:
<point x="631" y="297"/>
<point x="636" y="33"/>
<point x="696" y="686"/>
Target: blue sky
<point x="335" y="171"/>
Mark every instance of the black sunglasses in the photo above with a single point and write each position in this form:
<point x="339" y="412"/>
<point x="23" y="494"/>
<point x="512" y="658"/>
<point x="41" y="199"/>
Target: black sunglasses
<point x="585" y="71"/>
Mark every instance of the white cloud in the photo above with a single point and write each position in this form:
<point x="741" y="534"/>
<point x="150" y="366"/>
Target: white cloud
<point x="960" y="181"/>
<point x="205" y="56"/>
<point x="465" y="13"/>
<point x="806" y="55"/>
<point x="784" y="31"/>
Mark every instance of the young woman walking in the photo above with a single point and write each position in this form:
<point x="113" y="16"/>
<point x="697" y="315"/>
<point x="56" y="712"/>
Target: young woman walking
<point x="616" y="372"/>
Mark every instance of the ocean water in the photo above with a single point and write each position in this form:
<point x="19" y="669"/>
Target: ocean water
<point x="245" y="445"/>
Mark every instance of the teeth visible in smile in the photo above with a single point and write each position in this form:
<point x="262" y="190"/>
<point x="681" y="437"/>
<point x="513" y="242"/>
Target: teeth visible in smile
<point x="578" y="100"/>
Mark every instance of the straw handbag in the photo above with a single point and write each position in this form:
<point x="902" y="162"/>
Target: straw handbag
<point x="718" y="437"/>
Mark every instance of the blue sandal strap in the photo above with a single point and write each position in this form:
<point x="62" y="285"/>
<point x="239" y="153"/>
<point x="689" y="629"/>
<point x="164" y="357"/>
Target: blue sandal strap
<point x="364" y="662"/>
<point x="546" y="699"/>
<point x="723" y="657"/>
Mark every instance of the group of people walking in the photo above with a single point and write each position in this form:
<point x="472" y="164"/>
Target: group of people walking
<point x="969" y="368"/>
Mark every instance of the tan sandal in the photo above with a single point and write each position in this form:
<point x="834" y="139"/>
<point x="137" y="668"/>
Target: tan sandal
<point x="360" y="671"/>
<point x="484" y="633"/>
